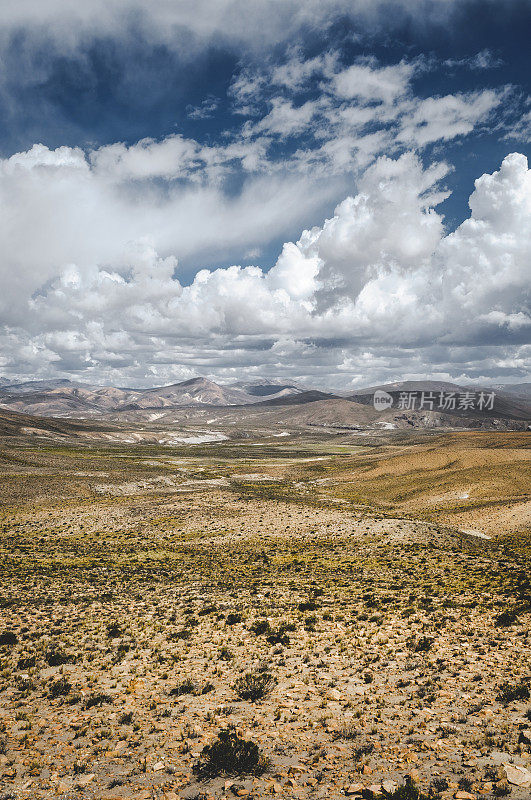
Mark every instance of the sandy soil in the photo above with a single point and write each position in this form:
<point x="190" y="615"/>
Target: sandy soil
<point x="382" y="645"/>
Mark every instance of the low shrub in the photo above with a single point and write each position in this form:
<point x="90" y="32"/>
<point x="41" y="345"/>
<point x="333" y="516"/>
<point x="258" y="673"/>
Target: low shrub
<point x="55" y="657"/>
<point x="185" y="687"/>
<point x="254" y="685"/>
<point x="233" y="618"/>
<point x="114" y="630"/>
<point x="8" y="639"/>
<point x="260" y="627"/>
<point x="97" y="699"/>
<point x="59" y="688"/>
<point x="513" y="691"/>
<point x="230" y="754"/>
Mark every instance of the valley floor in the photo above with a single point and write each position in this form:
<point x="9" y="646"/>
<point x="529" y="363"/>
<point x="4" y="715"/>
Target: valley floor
<point x="140" y="585"/>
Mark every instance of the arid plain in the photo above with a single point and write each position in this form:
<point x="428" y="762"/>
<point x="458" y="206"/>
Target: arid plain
<point x="356" y="606"/>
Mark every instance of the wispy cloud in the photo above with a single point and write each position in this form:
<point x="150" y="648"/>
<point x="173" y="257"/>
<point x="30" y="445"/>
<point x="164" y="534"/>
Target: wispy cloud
<point x="205" y="110"/>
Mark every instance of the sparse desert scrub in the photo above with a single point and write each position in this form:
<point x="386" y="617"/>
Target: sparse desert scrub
<point x="137" y="592"/>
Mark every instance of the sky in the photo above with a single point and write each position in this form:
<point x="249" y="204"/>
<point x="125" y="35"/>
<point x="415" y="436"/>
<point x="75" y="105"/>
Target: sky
<point x="336" y="193"/>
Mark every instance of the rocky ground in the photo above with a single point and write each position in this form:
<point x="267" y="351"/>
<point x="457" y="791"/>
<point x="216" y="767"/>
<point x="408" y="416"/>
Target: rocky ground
<point x="150" y="637"/>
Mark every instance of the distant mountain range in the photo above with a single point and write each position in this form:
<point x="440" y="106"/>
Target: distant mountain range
<point x="64" y="398"/>
<point x="70" y="399"/>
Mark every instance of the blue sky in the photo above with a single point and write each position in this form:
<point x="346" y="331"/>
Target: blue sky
<point x="146" y="150"/>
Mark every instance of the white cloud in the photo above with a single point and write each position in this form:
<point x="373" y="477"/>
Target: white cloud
<point x="180" y="24"/>
<point x="482" y="60"/>
<point x="174" y="157"/>
<point x="521" y="129"/>
<point x="61" y="207"/>
<point x="205" y="109"/>
<point x="371" y="83"/>
<point x="445" y="118"/>
<point x="65" y="206"/>
<point x="360" y="111"/>
<point x="296" y="71"/>
<point x="379" y="289"/>
<point x="285" y="119"/>
<point x="486" y="261"/>
<point x="389" y="226"/>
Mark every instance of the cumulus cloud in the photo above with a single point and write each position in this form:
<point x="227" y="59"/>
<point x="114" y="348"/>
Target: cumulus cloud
<point x="390" y="226"/>
<point x="378" y="289"/>
<point x="65" y="206"/>
<point x="102" y="247"/>
<point x="202" y="201"/>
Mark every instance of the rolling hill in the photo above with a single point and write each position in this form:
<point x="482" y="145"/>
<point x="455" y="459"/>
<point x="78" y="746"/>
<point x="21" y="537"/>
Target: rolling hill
<point x="242" y="402"/>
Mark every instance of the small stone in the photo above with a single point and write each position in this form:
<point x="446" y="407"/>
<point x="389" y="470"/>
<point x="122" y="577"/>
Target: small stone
<point x="333" y="694"/>
<point x="367" y="770"/>
<point x="158" y="766"/>
<point x="354" y="788"/>
<point x="84" y="780"/>
<point x="518" y="776"/>
<point x="464" y="796"/>
<point x="389" y="786"/>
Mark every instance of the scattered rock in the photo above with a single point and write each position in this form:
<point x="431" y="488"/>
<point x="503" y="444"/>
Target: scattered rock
<point x="84" y="780"/>
<point x="389" y="786"/>
<point x="354" y="788"/>
<point x="518" y="776"/>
